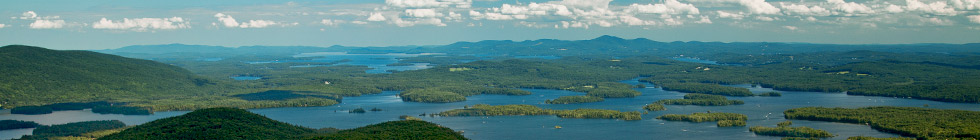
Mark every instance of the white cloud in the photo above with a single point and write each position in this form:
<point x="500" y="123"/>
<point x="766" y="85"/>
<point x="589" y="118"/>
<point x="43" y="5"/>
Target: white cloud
<point x="414" y="3"/>
<point x="966" y="4"/>
<point x="226" y="20"/>
<point x="935" y="8"/>
<point x="508" y="9"/>
<point x="424" y="21"/>
<point x="669" y="7"/>
<point x="633" y="21"/>
<point x="759" y="7"/>
<point x="331" y="22"/>
<point x="811" y="19"/>
<point x="586" y="4"/>
<point x="974" y="18"/>
<point x="794" y="28"/>
<point x="376" y="17"/>
<point x="142" y="24"/>
<point x="229" y="21"/>
<point x="258" y="24"/>
<point x="894" y="9"/>
<point x="359" y="22"/>
<point x="849" y="8"/>
<point x="50" y="22"/>
<point x="494" y="16"/>
<point x="47" y="24"/>
<point x="422" y="13"/>
<point x="453" y="16"/>
<point x="28" y="15"/>
<point x="938" y="21"/>
<point x="572" y="24"/>
<point x="763" y="18"/>
<point x="723" y="14"/>
<point x="429" y="3"/>
<point x="804" y="10"/>
<point x="2" y="26"/>
<point x="704" y="20"/>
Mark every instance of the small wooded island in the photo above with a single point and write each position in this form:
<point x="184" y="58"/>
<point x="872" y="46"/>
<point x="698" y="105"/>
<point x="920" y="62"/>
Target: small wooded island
<point x="521" y="110"/>
<point x="723" y="119"/>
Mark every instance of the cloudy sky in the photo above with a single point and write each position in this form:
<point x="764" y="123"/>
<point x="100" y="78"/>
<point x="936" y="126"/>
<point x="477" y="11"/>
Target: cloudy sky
<point x="103" y="24"/>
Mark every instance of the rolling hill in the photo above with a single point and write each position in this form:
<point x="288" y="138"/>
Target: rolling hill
<point x="231" y="123"/>
<point x="214" y="123"/>
<point x="38" y="76"/>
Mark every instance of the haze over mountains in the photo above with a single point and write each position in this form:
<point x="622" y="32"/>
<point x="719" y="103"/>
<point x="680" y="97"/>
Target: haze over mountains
<point x="603" y="45"/>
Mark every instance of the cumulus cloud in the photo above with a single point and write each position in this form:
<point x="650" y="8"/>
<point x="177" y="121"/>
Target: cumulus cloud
<point x="937" y="21"/>
<point x="794" y="28"/>
<point x="376" y="17"/>
<point x="723" y="14"/>
<point x="633" y="21"/>
<point x="258" y="24"/>
<point x="429" y="3"/>
<point x="704" y="20"/>
<point x="759" y="7"/>
<point x="966" y="4"/>
<point x="230" y="22"/>
<point x="974" y="18"/>
<point x="29" y="15"/>
<point x="423" y="21"/>
<point x="572" y="24"/>
<point x="359" y="22"/>
<point x="894" y="9"/>
<point x="764" y="18"/>
<point x="935" y="8"/>
<point x="142" y="24"/>
<point x="669" y="7"/>
<point x="849" y="8"/>
<point x="494" y="16"/>
<point x="226" y="20"/>
<point x="594" y="13"/>
<point x="47" y="24"/>
<point x="3" y="25"/>
<point x="50" y="22"/>
<point x="331" y="22"/>
<point x="804" y="10"/>
<point x="453" y="16"/>
<point x="422" y="13"/>
<point x="586" y="4"/>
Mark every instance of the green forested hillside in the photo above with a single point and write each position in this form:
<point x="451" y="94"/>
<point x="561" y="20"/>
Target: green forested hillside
<point x="921" y="123"/>
<point x="231" y="123"/>
<point x="37" y="76"/>
<point x="400" y="130"/>
<point x="214" y="123"/>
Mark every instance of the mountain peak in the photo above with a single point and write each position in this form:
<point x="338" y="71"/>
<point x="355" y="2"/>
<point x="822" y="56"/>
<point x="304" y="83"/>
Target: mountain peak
<point x="608" y="38"/>
<point x="22" y="47"/>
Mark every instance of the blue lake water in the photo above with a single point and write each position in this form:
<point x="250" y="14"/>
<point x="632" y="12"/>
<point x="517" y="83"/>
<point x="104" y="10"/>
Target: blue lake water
<point x="764" y="111"/>
<point x="378" y="62"/>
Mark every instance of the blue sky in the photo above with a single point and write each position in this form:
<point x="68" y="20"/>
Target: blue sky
<point x="104" y="24"/>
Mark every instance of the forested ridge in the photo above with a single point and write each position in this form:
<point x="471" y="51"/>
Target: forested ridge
<point x="489" y="110"/>
<point x="230" y="123"/>
<point x="37" y="76"/>
<point x="921" y="123"/>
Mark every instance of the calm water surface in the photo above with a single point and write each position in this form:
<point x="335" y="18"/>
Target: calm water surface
<point x="764" y="111"/>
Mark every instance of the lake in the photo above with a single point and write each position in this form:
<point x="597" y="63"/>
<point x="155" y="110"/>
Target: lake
<point x="378" y="62"/>
<point x="764" y="111"/>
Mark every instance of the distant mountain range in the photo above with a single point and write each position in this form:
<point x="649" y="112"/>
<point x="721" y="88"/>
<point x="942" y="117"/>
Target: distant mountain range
<point x="603" y="45"/>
